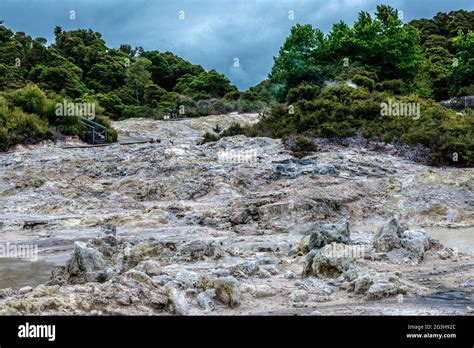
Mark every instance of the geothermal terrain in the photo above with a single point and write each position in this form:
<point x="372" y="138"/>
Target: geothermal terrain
<point x="235" y="227"/>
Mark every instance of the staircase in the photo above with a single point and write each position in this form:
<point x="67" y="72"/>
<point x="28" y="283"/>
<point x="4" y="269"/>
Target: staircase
<point x="96" y="133"/>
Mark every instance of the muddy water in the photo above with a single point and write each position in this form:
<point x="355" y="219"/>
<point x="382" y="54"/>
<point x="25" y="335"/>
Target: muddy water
<point x="17" y="273"/>
<point x="460" y="238"/>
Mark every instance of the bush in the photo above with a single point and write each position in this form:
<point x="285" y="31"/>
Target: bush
<point x="27" y="116"/>
<point x="19" y="127"/>
<point x="392" y="86"/>
<point x="208" y="137"/>
<point x="304" y="91"/>
<point x="299" y="145"/>
<point x="234" y="95"/>
<point x="363" y="81"/>
<point x="30" y="99"/>
<point x="234" y="129"/>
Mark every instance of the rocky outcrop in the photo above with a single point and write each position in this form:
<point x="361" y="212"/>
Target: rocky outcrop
<point x="320" y="234"/>
<point x="178" y="302"/>
<point x="376" y="286"/>
<point x="399" y="245"/>
<point x="198" y="250"/>
<point x="388" y="236"/>
<point x="330" y="261"/>
<point x="227" y="290"/>
<point x="205" y="299"/>
<point x="87" y="264"/>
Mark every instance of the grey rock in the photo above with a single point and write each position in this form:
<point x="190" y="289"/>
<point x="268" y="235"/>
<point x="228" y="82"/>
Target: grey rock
<point x="448" y="253"/>
<point x="298" y="296"/>
<point x="320" y="234"/>
<point x="330" y="261"/>
<point x="178" y="302"/>
<point x="86" y="264"/>
<point x="379" y="285"/>
<point x="139" y="276"/>
<point x="109" y="229"/>
<point x="85" y="259"/>
<point x="388" y="236"/>
<point x="162" y="279"/>
<point x="267" y="260"/>
<point x="263" y="290"/>
<point x="198" y="250"/>
<point x="25" y="290"/>
<point x="205" y="299"/>
<point x="315" y="286"/>
<point x="227" y="291"/>
<point x="7" y="292"/>
<point x="468" y="283"/>
<point x="272" y="269"/>
<point x="378" y="291"/>
<point x="152" y="267"/>
<point x="363" y="284"/>
<point x="416" y="242"/>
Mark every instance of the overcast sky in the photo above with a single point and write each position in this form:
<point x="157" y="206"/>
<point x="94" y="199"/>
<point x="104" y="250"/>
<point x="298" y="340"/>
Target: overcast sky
<point x="213" y="33"/>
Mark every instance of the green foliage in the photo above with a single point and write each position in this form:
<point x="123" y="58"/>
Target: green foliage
<point x="206" y="85"/>
<point x="382" y="45"/>
<point x="137" y="78"/>
<point x="307" y="88"/>
<point x="233" y="95"/>
<point x="168" y="68"/>
<point x="83" y="47"/>
<point x="30" y="99"/>
<point x="341" y="111"/>
<point x="438" y="41"/>
<point x="364" y="81"/>
<point x="124" y="82"/>
<point x="109" y="73"/>
<point x="462" y="73"/>
<point x="208" y="138"/>
<point x="296" y="61"/>
<point x="304" y="91"/>
<point x="299" y="145"/>
<point x="396" y="87"/>
<point x="154" y="94"/>
<point x="112" y="104"/>
<point x="17" y="126"/>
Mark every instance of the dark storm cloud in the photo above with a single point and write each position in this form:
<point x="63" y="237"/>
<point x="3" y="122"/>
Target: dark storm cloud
<point x="213" y="33"/>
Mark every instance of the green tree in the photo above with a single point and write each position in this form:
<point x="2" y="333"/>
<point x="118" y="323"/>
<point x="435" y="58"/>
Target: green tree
<point x="462" y="72"/>
<point x="295" y="62"/>
<point x="153" y="94"/>
<point x="137" y="77"/>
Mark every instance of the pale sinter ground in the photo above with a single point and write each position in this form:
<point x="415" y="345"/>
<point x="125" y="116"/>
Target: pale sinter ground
<point x="210" y="229"/>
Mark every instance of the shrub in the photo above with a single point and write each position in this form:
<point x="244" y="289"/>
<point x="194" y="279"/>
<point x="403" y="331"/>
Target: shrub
<point x="30" y="99"/>
<point x="364" y="82"/>
<point x="299" y="145"/>
<point x="392" y="86"/>
<point x="208" y="137"/>
<point x="304" y="91"/>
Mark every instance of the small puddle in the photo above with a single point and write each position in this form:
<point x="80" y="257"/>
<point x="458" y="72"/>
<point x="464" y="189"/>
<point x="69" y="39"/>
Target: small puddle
<point x="17" y="273"/>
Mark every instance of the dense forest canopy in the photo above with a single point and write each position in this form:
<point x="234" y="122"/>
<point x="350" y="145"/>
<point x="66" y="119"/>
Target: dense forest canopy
<point x="330" y="85"/>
